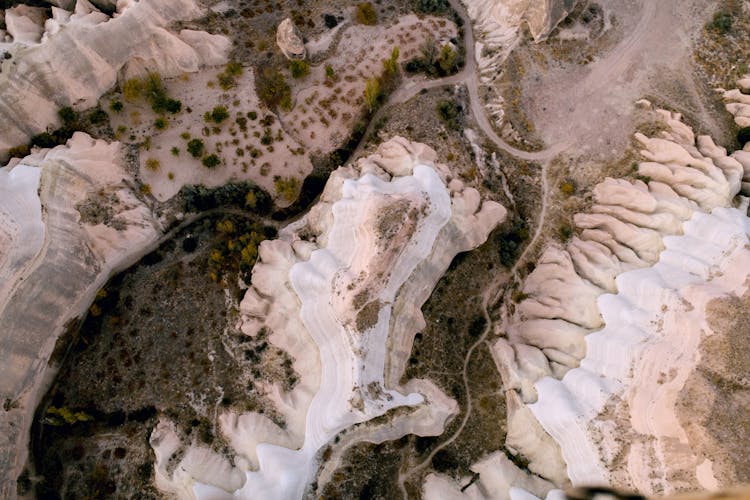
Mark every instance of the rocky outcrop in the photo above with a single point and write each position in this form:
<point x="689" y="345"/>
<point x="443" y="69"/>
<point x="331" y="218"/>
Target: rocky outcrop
<point x="289" y="40"/>
<point x="501" y="19"/>
<point x="341" y="292"/>
<point x="615" y="330"/>
<point x="608" y="332"/>
<point x="68" y="220"/>
<point x="72" y="58"/>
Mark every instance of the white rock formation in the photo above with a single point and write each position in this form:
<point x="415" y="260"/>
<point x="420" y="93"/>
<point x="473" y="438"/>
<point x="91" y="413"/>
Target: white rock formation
<point x="290" y="40"/>
<point x="51" y="265"/>
<point x="341" y="291"/>
<point x="738" y="102"/>
<point x="72" y="58"/>
<point x="608" y="334"/>
<point x="501" y="19"/>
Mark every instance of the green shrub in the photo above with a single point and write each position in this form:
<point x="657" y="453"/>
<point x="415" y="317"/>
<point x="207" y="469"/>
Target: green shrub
<point x="233" y="68"/>
<point x="132" y="89"/>
<point x="721" y="22"/>
<point x="286" y="187"/>
<point x="67" y="115"/>
<point x="195" y="147"/>
<point x="116" y="106"/>
<point x="449" y="111"/>
<point x="431" y="6"/>
<point x="366" y="14"/>
<point x="211" y="161"/>
<point x="565" y="231"/>
<point x="372" y="93"/>
<point x="160" y="123"/>
<point x="329" y="72"/>
<point x="98" y="116"/>
<point x="299" y="69"/>
<point x="175" y="151"/>
<point x="219" y="114"/>
<point x="273" y="89"/>
<point x="567" y="188"/>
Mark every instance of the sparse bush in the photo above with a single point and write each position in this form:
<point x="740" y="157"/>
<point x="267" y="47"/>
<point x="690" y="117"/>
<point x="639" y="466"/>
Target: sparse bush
<point x="219" y="114"/>
<point x="721" y="22"/>
<point x="211" y="161"/>
<point x="567" y="188"/>
<point x="299" y="69"/>
<point x="116" y="106"/>
<point x="286" y="187"/>
<point x="252" y="115"/>
<point x="160" y="123"/>
<point x="372" y="93"/>
<point x="152" y="164"/>
<point x="449" y="112"/>
<point x="98" y="116"/>
<point x="448" y="59"/>
<point x="185" y="135"/>
<point x="565" y="231"/>
<point x="330" y="21"/>
<point x="273" y="89"/>
<point x="366" y="14"/>
<point x="390" y="65"/>
<point x="431" y="6"/>
<point x="175" y="151"/>
<point x="330" y="73"/>
<point x="195" y="147"/>
<point x="233" y="68"/>
<point x="67" y="115"/>
<point x="132" y="89"/>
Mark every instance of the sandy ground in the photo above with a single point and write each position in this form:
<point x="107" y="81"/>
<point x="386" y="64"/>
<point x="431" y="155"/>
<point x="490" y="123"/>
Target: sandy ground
<point x="243" y="156"/>
<point x="652" y="56"/>
<point x="326" y="110"/>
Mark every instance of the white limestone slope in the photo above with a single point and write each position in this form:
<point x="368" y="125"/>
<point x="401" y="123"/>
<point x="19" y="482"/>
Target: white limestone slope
<point x="75" y="56"/>
<point x="52" y="264"/>
<point x="331" y="290"/>
<point x="609" y="330"/>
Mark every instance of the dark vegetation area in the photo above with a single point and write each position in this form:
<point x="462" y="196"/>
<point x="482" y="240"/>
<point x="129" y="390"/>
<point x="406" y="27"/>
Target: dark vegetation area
<point x="158" y="339"/>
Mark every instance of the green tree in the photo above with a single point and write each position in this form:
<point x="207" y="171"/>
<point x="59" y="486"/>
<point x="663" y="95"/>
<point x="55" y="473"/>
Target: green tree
<point x="447" y="59"/>
<point x="390" y="65"/>
<point x="372" y="93"/>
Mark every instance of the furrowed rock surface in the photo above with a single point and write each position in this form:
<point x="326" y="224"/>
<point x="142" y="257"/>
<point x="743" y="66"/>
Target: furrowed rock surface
<point x="72" y="58"/>
<point x="611" y="325"/>
<point x="341" y="292"/>
<point x="52" y="262"/>
<point x="617" y="361"/>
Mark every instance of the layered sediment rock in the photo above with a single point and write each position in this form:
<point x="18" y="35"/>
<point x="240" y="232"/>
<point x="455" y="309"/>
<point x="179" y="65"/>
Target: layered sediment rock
<point x="341" y="292"/>
<point x="608" y="333"/>
<point x="68" y="220"/>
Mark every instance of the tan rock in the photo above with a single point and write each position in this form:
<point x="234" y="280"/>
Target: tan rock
<point x="289" y="40"/>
